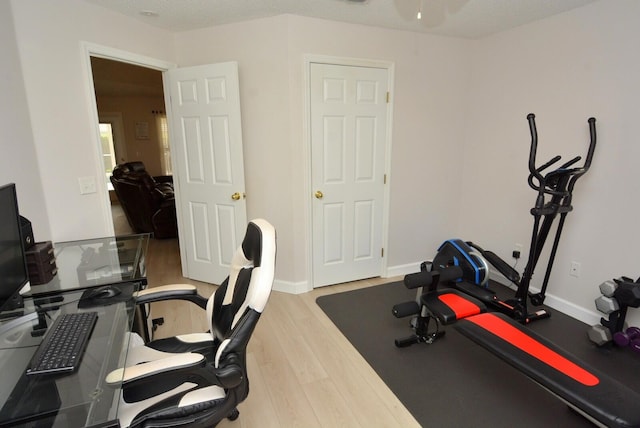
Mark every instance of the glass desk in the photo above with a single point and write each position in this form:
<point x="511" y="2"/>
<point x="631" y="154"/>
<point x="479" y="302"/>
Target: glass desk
<point x="81" y="398"/>
<point x="70" y="400"/>
<point x="95" y="262"/>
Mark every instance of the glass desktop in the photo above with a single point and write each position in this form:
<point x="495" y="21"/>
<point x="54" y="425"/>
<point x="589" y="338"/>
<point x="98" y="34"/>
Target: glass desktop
<point x="95" y="262"/>
<point x="81" y="398"/>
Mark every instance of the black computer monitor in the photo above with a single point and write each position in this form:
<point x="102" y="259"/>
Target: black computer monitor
<point x="13" y="261"/>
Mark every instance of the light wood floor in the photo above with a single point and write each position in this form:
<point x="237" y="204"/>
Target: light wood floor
<point x="120" y="224"/>
<point x="302" y="371"/>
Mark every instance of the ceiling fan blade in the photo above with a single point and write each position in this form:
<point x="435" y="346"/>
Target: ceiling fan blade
<point x="408" y="9"/>
<point x="433" y="13"/>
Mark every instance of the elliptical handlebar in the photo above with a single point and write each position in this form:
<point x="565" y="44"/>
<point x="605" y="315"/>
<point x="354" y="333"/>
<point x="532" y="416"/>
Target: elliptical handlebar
<point x="592" y="143"/>
<point x="575" y="173"/>
<point x="531" y="118"/>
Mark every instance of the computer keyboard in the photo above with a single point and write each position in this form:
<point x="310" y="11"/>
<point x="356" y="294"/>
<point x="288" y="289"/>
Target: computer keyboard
<point x="64" y="344"/>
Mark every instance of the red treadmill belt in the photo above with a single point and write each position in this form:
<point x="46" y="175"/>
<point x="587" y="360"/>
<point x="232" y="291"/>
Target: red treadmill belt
<point x="594" y="393"/>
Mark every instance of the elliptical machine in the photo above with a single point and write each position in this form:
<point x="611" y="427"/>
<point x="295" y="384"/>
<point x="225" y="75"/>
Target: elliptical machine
<point x="558" y="184"/>
<point x="554" y="196"/>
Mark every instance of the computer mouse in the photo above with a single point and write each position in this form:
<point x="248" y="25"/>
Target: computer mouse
<point x="106" y="292"/>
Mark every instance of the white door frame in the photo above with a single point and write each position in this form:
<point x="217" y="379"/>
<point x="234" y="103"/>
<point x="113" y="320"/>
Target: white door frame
<point x="308" y="59"/>
<point x="91" y="49"/>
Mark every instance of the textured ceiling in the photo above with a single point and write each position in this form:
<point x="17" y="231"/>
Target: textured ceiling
<point x="456" y="18"/>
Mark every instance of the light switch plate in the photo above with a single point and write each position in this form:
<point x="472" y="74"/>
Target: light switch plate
<point x="87" y="185"/>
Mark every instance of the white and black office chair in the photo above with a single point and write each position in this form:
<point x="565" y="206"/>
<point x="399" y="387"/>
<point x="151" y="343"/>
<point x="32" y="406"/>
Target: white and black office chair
<point x="199" y="379"/>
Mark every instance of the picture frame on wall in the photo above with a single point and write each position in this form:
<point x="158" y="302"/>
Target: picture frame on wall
<point x="142" y="130"/>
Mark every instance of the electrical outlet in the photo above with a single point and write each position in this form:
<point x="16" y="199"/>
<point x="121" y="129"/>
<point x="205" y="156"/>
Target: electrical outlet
<point x="575" y="269"/>
<point x="517" y="251"/>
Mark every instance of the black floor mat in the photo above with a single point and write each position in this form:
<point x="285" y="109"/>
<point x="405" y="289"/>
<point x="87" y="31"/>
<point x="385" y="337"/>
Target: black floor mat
<point x="454" y="382"/>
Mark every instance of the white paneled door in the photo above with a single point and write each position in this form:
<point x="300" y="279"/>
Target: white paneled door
<point x="207" y="155"/>
<point x="348" y="117"/>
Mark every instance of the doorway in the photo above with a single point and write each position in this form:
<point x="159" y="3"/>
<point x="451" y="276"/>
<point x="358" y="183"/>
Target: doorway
<point x="132" y="121"/>
<point x="219" y="85"/>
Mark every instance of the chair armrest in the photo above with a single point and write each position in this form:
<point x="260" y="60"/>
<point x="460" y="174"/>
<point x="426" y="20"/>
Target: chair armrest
<point x="230" y="374"/>
<point x="145" y="371"/>
<point x="170" y="292"/>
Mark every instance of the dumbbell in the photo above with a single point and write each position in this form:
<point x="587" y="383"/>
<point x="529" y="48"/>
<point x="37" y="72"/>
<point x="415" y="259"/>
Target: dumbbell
<point x="599" y="334"/>
<point x="607" y="288"/>
<point x="606" y="305"/>
<point x="629" y="337"/>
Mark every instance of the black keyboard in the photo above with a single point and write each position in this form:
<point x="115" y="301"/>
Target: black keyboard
<point x="64" y="344"/>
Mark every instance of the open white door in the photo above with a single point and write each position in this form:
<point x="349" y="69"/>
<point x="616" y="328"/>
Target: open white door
<point x="348" y="108"/>
<point x="208" y="168"/>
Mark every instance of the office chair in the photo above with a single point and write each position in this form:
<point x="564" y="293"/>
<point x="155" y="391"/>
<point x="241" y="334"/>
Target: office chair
<point x="204" y="378"/>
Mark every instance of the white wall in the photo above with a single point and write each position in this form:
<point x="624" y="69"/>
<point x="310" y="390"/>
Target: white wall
<point x="460" y="138"/>
<point x="260" y="48"/>
<point x="49" y="37"/>
<point x="431" y="75"/>
<point x="429" y="100"/>
<point x="564" y="69"/>
<point x="19" y="162"/>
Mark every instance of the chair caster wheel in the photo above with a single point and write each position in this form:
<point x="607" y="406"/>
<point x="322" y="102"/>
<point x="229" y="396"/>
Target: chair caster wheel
<point x="233" y="415"/>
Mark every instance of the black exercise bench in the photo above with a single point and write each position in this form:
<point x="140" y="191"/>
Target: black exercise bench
<point x="596" y="396"/>
<point x="592" y="393"/>
<point x="599" y="398"/>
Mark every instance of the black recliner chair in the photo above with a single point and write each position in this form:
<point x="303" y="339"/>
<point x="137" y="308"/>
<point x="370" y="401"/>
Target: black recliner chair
<point x="148" y="202"/>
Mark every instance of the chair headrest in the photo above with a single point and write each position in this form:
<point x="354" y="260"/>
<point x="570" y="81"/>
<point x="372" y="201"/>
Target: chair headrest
<point x="252" y="244"/>
<point x="128" y="167"/>
<point x="260" y="248"/>
<point x="136" y="166"/>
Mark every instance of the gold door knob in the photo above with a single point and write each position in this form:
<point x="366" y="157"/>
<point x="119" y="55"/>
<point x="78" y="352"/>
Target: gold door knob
<point x="319" y="194"/>
<point x="235" y="196"/>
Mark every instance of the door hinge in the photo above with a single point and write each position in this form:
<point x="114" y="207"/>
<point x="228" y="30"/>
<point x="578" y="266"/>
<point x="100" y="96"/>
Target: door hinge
<point x="388" y="97"/>
<point x="382" y="252"/>
<point x="384" y="179"/>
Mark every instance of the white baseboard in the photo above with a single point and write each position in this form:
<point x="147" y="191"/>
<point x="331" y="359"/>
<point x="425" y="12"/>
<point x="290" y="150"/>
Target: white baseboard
<point x="573" y="310"/>
<point x="587" y="316"/>
<point x="557" y="303"/>
<point x="402" y="270"/>
<point x="292" y="287"/>
<point x="305" y="286"/>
